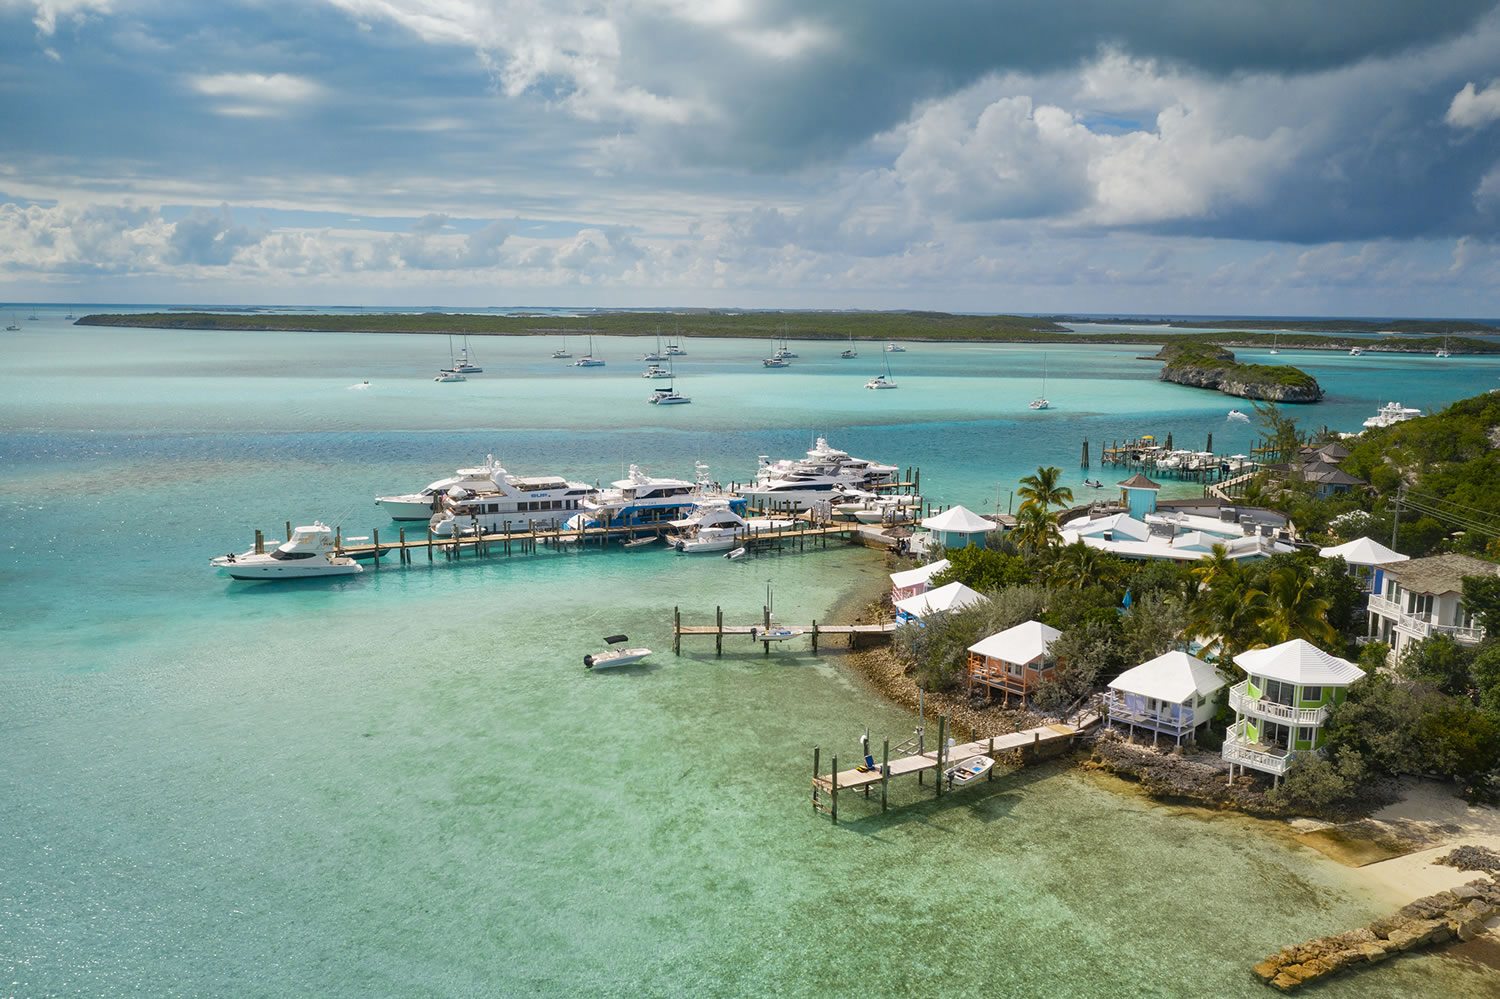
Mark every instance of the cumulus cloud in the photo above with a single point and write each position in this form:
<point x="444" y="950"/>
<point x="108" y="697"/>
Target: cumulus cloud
<point x="45" y="13"/>
<point x="208" y="237"/>
<point x="1474" y="109"/>
<point x="256" y="94"/>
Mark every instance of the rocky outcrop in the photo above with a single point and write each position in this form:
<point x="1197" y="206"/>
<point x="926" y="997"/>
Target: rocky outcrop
<point x="1204" y="366"/>
<point x="1200" y="778"/>
<point x="1459" y="914"/>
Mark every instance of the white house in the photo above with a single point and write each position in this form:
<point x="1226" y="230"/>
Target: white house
<point x="910" y="582"/>
<point x="1280" y="708"/>
<point x="1172" y="694"/>
<point x="1173" y="536"/>
<point x="1421" y="597"/>
<point x="1365" y="558"/>
<point x="957" y="527"/>
<point x="954" y="596"/>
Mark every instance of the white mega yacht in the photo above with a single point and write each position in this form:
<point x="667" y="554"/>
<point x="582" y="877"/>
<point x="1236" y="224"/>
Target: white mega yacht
<point x="643" y="500"/>
<point x="1391" y="413"/>
<point x="422" y="505"/>
<point x="508" y="503"/>
<point x="713" y="526"/>
<point x="309" y="552"/>
<point x="820" y="476"/>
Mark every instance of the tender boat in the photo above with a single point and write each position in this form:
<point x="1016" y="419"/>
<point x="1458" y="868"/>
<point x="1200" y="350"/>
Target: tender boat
<point x="656" y="371"/>
<point x="776" y="362"/>
<point x="894" y="348"/>
<point x="616" y="656"/>
<point x="737" y="553"/>
<point x="644" y="500"/>
<point x="422" y="505"/>
<point x="968" y="771"/>
<point x="309" y="552"/>
<point x="509" y="503"/>
<point x="1355" y="351"/>
<point x="775" y="633"/>
<point x="641" y="542"/>
<point x="1235" y="414"/>
<point x="450" y="376"/>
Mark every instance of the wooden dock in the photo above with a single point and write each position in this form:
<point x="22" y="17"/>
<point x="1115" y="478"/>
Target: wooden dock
<point x="719" y="629"/>
<point x="826" y="787"/>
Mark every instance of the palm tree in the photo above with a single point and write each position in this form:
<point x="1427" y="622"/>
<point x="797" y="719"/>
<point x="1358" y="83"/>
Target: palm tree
<point x="1035" y="528"/>
<point x="1209" y="569"/>
<point x="1288" y="608"/>
<point x="1078" y="566"/>
<point x="1042" y="489"/>
<point x="1226" y="612"/>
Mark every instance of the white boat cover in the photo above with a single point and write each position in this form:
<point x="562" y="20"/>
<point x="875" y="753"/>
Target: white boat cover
<point x="1172" y="676"/>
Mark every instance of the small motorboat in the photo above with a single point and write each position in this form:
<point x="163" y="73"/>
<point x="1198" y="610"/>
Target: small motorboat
<point x="1235" y="414"/>
<point x="968" y="771"/>
<point x="640" y="542"/>
<point x="1355" y="351"/>
<point x="617" y="654"/>
<point x="894" y="348"/>
<point x="775" y="633"/>
<point x="310" y="551"/>
<point x="776" y="362"/>
<point x="450" y="376"/>
<point x="656" y="371"/>
<point x="737" y="553"/>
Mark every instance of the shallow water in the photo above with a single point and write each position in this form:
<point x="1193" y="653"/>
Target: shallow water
<point x="406" y="783"/>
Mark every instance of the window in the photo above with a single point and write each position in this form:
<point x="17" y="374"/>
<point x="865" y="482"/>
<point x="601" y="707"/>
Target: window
<point x="1201" y="700"/>
<point x="1305" y="734"/>
<point x="1278" y="692"/>
<point x="1314" y="694"/>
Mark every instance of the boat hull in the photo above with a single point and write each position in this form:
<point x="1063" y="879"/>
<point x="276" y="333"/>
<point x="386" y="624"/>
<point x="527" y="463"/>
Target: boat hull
<point x="968" y="771"/>
<point x="621" y="657"/>
<point x="264" y="567"/>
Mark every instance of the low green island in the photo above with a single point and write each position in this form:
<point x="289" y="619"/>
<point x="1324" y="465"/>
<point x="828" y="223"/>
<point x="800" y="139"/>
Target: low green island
<point x="1203" y="365"/>
<point x="712" y="323"/>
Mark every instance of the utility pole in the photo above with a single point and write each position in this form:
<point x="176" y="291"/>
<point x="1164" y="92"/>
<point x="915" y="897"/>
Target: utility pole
<point x="1396" y="520"/>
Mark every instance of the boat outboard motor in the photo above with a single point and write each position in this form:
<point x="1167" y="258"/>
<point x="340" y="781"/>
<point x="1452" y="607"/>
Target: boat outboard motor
<point x="588" y="662"/>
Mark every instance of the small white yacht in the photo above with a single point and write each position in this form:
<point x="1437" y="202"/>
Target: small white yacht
<point x="589" y="360"/>
<point x="655" y="355"/>
<point x="1392" y="413"/>
<point x="656" y="371"/>
<point x="1040" y="402"/>
<point x="422" y="505"/>
<point x="668" y="397"/>
<point x="713" y="526"/>
<point x="617" y="655"/>
<point x="1235" y="414"/>
<point x="450" y="376"/>
<point x="675" y="349"/>
<point x="776" y="362"/>
<point x="510" y="503"/>
<point x="894" y="348"/>
<point x="1443" y="350"/>
<point x="1355" y="351"/>
<point x="309" y="552"/>
<point x="644" y="500"/>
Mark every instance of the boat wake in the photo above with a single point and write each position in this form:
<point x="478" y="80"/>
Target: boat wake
<point x="359" y="388"/>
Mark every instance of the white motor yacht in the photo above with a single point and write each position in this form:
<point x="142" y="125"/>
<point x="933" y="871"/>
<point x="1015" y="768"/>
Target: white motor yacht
<point x="509" y="503"/>
<point x="643" y="500"/>
<point x="821" y="476"/>
<point x="656" y="371"/>
<point x="450" y="376"/>
<point x="776" y="362"/>
<point x="1355" y="351"/>
<point x="894" y="348"/>
<point x="422" y="505"/>
<point x="1392" y="413"/>
<point x="713" y="526"/>
<point x="307" y="553"/>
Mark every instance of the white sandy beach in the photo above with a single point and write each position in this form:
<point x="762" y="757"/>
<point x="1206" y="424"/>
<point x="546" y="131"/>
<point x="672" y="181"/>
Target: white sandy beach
<point x="1438" y="812"/>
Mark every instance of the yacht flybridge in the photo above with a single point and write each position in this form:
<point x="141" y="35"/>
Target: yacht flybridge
<point x="643" y="500"/>
<point x="422" y="505"/>
<point x="308" y="553"/>
<point x="508" y="503"/>
<point x="821" y="476"/>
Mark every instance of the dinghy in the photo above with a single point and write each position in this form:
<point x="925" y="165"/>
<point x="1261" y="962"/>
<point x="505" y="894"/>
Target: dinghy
<point x="968" y="771"/>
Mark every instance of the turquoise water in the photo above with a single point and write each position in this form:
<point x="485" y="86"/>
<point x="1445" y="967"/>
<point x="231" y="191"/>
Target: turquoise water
<point x="405" y="783"/>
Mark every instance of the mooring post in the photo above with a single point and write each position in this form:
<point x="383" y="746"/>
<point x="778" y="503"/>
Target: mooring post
<point x="676" y="631"/>
<point x="429" y="545"/>
<point x="815" y="635"/>
<point x="260" y="542"/>
<point x="833" y="782"/>
<point x="1210" y="445"/>
<point x="376" y="559"/>
<point x="992" y="756"/>
<point x="402" y="554"/>
<point x="719" y="634"/>
<point x="289" y="530"/>
<point x="1085" y="452"/>
<point x="941" y="748"/>
<point x="885" y="771"/>
<point x="816" y="775"/>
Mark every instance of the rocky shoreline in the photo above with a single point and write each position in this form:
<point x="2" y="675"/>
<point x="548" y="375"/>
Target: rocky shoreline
<point x="1457" y="914"/>
<point x="1198" y="366"/>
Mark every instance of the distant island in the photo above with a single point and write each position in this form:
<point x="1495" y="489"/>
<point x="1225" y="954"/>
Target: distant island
<point x="1200" y="365"/>
<point x="1440" y="327"/>
<point x="911" y="326"/>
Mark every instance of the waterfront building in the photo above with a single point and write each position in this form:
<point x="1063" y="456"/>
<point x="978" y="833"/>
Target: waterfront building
<point x="954" y="596"/>
<point x="1281" y="707"/>
<point x="911" y="582"/>
<point x="1138" y="494"/>
<point x="1015" y="660"/>
<point x="1365" y="558"/>
<point x="1179" y="535"/>
<point x="957" y="527"/>
<point x="1423" y="597"/>
<point x="1170" y="695"/>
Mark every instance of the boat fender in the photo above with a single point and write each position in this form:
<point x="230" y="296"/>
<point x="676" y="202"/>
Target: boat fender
<point x="588" y="662"/>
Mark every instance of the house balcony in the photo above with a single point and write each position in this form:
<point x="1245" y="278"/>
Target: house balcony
<point x="1422" y="625"/>
<point x="1241" y="701"/>
<point x="1268" y="759"/>
<point x="1176" y="724"/>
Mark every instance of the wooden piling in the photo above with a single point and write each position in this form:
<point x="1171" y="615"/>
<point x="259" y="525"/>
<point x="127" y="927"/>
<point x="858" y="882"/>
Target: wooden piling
<point x="1085" y="452"/>
<point x="402" y="555"/>
<point x="676" y="631"/>
<point x="816" y="775"/>
<point x="942" y="747"/>
<point x="289" y="530"/>
<point x="815" y="635"/>
<point x="260" y="543"/>
<point x="833" y="794"/>
<point x="719" y="636"/>
<point x="991" y="755"/>
<point x="376" y="560"/>
<point x="885" y="771"/>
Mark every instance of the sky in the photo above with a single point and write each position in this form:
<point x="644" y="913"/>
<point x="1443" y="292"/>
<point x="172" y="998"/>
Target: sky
<point x="1260" y="157"/>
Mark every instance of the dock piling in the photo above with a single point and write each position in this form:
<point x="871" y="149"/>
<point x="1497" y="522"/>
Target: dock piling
<point x="885" y="771"/>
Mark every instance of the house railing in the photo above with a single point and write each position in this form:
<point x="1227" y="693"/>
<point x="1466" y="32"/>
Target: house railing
<point x="1238" y="749"/>
<point x="1241" y="701"/>
<point x="1121" y="711"/>
<point x="1422" y="624"/>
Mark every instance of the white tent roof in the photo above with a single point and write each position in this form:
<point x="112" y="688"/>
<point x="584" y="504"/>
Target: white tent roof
<point x="951" y="597"/>
<point x="1363" y="551"/>
<point x="1172" y="676"/>
<point x="921" y="574"/>
<point x="1021" y="644"/>
<point x="1299" y="662"/>
<point x="960" y="519"/>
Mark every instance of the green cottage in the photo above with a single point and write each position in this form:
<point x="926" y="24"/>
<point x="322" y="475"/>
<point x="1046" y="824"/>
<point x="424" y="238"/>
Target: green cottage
<point x="1280" y="709"/>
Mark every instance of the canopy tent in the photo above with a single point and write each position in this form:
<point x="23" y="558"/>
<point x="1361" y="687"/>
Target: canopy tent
<point x="1300" y="662"/>
<point x="959" y="520"/>
<point x="1172" y="676"/>
<point x="1363" y="551"/>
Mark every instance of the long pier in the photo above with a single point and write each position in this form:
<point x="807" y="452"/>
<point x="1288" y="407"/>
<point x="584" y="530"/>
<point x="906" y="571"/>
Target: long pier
<point x="719" y="629"/>
<point x="826" y="787"/>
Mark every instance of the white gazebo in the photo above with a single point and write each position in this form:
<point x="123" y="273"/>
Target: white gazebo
<point x="1170" y="695"/>
<point x="1364" y="557"/>
<point x="959" y="527"/>
<point x="954" y="596"/>
<point x="910" y="582"/>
